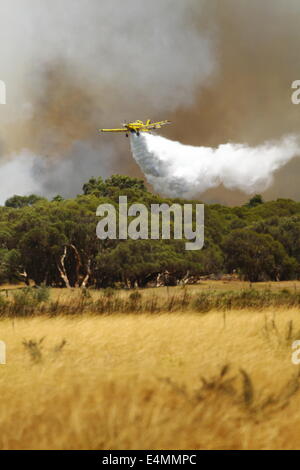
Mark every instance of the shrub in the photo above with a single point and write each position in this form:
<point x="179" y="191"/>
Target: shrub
<point x="41" y="294"/>
<point x="135" y="296"/>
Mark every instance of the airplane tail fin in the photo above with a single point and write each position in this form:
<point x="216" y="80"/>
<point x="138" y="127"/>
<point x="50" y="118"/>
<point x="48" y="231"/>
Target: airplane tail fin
<point x="148" y="122"/>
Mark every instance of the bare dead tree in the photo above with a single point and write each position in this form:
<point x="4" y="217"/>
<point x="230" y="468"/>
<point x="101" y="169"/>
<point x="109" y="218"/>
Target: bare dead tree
<point x="62" y="269"/>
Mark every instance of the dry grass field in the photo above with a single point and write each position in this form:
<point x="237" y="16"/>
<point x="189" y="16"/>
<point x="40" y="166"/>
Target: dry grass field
<point x="169" y="380"/>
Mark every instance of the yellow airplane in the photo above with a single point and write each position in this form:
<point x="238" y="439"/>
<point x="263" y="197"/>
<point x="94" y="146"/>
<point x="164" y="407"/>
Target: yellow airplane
<point x="138" y="126"/>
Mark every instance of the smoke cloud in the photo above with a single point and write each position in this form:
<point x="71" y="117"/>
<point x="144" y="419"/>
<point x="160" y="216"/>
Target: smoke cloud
<point x="178" y="170"/>
<point x="221" y="70"/>
<point x="85" y="64"/>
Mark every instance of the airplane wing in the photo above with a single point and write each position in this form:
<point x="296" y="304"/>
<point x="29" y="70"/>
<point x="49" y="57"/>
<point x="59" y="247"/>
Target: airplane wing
<point x="157" y="125"/>
<point x="114" y="130"/>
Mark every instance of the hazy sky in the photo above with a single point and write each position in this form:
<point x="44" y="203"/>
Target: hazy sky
<point x="221" y="70"/>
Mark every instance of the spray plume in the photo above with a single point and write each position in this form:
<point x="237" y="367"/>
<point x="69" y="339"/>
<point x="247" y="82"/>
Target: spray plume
<point x="178" y="170"/>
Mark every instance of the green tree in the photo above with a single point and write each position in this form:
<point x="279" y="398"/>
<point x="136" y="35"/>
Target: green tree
<point x="116" y="182"/>
<point x="257" y="256"/>
<point x="21" y="201"/>
<point x="94" y="186"/>
<point x="57" y="198"/>
<point x="255" y="201"/>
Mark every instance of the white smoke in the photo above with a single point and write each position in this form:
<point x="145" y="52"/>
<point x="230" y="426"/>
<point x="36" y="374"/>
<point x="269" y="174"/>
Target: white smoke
<point x="25" y="173"/>
<point x="17" y="176"/>
<point x="178" y="170"/>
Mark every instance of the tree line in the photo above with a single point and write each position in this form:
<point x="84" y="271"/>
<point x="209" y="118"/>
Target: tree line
<point x="54" y="242"/>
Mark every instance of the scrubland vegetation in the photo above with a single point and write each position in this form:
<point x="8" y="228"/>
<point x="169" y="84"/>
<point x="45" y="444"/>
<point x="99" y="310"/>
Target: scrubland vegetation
<point x="202" y="298"/>
<point x="54" y="242"/>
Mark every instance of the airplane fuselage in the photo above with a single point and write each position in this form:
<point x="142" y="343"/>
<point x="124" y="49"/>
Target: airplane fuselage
<point x="138" y="126"/>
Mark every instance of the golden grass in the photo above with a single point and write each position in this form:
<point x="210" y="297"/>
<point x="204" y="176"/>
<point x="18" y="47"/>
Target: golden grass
<point x="134" y="381"/>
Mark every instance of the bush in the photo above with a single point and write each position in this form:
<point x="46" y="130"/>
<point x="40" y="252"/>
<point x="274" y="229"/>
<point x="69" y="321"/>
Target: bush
<point x="109" y="292"/>
<point x="41" y="294"/>
<point x="135" y="296"/>
<point x="23" y="303"/>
